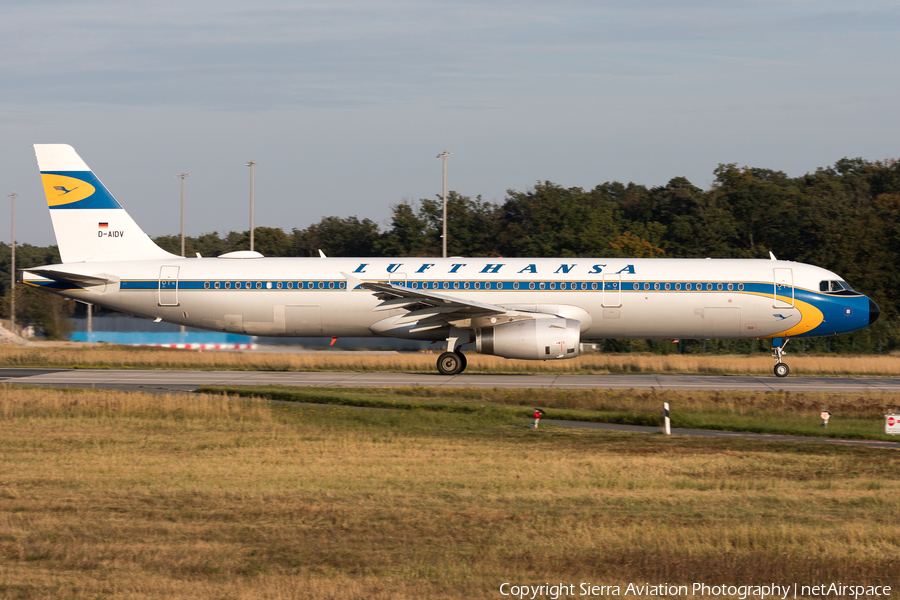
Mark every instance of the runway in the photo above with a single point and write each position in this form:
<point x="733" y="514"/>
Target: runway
<point x="188" y="380"/>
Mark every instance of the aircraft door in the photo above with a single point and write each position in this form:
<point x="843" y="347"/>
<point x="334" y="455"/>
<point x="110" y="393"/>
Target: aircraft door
<point x="398" y="279"/>
<point x="783" y="289"/>
<point x="168" y="286"/>
<point x="612" y="291"/>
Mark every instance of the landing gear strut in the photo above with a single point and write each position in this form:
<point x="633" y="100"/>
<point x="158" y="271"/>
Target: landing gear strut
<point x="453" y="361"/>
<point x="781" y="369"/>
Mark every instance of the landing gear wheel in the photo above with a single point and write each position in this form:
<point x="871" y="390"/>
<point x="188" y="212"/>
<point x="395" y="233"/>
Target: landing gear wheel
<point x="782" y="370"/>
<point x="465" y="362"/>
<point x="450" y="363"/>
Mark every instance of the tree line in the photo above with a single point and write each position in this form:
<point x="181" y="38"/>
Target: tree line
<point x="845" y="218"/>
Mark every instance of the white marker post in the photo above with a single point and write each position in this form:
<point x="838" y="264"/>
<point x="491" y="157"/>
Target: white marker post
<point x="667" y="426"/>
<point x="892" y="424"/>
<point x="826" y="414"/>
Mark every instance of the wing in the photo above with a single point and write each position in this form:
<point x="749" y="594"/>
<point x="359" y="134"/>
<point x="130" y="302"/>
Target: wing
<point x="429" y="310"/>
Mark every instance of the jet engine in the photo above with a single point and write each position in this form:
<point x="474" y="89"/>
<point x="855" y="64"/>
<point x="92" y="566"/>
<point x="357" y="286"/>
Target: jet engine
<point x="532" y="339"/>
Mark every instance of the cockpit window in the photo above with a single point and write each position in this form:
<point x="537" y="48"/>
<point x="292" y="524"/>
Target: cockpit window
<point x="834" y="286"/>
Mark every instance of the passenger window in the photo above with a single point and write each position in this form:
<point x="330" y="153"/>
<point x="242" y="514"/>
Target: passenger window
<point x="687" y="286"/>
<point x="719" y="286"/>
<point x="206" y="285"/>
<point x="279" y="285"/>
<point x="668" y="286"/>
<point x="516" y="285"/>
<point x="677" y="286"/>
<point x="730" y="287"/>
<point x="217" y="285"/>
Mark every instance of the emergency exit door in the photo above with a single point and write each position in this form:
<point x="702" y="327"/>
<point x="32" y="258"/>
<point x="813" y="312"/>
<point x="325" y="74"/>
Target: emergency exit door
<point x="168" y="286"/>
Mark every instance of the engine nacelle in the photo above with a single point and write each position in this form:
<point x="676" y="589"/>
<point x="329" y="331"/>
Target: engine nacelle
<point x="532" y="339"/>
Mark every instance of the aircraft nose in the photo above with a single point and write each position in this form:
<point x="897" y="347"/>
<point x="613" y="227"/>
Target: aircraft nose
<point x="874" y="311"/>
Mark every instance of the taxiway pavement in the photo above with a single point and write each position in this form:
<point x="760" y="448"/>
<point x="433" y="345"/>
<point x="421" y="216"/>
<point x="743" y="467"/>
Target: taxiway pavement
<point x="188" y="380"/>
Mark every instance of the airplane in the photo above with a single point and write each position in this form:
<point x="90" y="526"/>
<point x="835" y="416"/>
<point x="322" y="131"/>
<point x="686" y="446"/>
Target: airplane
<point x="521" y="308"/>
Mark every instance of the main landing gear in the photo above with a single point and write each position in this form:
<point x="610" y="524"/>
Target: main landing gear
<point x="453" y="362"/>
<point x="781" y="369"/>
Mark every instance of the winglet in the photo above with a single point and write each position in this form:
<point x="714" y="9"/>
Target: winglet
<point x="772" y="256"/>
<point x="352" y="281"/>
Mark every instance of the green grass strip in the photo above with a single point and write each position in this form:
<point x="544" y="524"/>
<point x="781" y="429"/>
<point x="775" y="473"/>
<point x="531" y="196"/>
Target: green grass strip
<point x="725" y="419"/>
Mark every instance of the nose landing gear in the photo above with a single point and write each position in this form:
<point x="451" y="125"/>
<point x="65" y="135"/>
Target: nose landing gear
<point x="781" y="369"/>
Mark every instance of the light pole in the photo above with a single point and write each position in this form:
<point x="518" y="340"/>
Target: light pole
<point x="182" y="176"/>
<point x="12" y="271"/>
<point x="444" y="155"/>
<point x="251" y="164"/>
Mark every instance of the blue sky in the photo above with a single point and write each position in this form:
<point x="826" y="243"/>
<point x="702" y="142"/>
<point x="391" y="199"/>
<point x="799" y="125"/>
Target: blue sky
<point x="345" y="105"/>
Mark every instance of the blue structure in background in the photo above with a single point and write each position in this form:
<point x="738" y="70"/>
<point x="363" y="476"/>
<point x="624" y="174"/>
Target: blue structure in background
<point x="165" y="338"/>
<point x="118" y="328"/>
<point x="128" y="330"/>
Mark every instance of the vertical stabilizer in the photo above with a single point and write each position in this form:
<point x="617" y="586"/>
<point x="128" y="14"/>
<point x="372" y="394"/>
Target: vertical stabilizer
<point x="89" y="223"/>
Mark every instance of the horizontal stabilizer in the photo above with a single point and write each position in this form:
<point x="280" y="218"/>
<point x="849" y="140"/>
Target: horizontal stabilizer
<point x="74" y="278"/>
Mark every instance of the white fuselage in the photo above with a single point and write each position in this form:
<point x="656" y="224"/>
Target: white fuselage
<point x="611" y="298"/>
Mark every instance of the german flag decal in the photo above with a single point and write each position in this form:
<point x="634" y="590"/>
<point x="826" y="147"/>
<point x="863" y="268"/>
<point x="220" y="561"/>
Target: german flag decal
<point x="103" y="225"/>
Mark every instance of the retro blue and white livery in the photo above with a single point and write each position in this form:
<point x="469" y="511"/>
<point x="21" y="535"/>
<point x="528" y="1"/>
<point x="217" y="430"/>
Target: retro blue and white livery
<point x="525" y="308"/>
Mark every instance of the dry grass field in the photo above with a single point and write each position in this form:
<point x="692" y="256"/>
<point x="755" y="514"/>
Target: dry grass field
<point x="119" y="357"/>
<point x="118" y="495"/>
